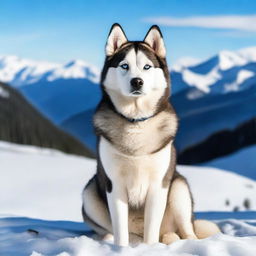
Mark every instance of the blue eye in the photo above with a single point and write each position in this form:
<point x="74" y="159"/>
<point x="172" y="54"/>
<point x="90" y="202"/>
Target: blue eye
<point x="147" y="67"/>
<point x="125" y="66"/>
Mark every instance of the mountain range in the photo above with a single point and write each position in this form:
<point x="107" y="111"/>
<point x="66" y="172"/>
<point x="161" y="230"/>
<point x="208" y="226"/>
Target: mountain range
<point x="213" y="98"/>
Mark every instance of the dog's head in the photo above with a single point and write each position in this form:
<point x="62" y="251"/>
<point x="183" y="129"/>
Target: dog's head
<point x="135" y="69"/>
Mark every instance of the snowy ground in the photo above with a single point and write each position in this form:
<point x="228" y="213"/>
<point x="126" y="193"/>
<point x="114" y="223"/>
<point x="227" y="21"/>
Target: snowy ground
<point x="46" y="185"/>
<point x="63" y="238"/>
<point x="43" y="179"/>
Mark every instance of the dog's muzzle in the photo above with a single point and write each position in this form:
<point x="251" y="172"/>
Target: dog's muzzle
<point x="136" y="86"/>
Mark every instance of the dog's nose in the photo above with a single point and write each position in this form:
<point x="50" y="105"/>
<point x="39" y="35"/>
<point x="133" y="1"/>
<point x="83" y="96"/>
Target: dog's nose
<point x="136" y="83"/>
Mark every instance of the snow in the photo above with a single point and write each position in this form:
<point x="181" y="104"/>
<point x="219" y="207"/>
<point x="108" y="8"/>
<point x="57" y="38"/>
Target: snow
<point x="202" y="82"/>
<point x="45" y="186"/>
<point x="184" y="62"/>
<point x="204" y="181"/>
<point x="75" y="69"/>
<point x="45" y="174"/>
<point x="228" y="59"/>
<point x="248" y="53"/>
<point x="64" y="238"/>
<point x="242" y="76"/>
<point x="195" y="94"/>
<point x="18" y="71"/>
<point x="205" y="74"/>
<point x="61" y="177"/>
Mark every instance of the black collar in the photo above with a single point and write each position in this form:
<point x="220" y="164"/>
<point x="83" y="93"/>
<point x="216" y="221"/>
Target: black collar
<point x="134" y="120"/>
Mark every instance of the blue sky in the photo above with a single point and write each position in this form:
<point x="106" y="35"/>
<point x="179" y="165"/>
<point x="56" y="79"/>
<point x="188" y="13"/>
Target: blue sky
<point x="62" y="30"/>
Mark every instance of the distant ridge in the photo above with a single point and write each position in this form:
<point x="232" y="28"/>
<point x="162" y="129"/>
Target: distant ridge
<point x="242" y="136"/>
<point x="21" y="123"/>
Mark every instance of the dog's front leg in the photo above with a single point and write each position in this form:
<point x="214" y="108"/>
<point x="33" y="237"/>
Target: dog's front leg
<point x="154" y="212"/>
<point x="118" y="206"/>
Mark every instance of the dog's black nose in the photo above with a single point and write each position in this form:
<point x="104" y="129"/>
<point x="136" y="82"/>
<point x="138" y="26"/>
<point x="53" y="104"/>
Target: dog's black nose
<point x="136" y="83"/>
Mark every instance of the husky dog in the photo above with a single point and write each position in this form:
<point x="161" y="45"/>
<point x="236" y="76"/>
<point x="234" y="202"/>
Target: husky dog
<point x="136" y="190"/>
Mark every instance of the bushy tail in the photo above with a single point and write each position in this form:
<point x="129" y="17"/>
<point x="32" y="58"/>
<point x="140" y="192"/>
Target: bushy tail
<point x="205" y="228"/>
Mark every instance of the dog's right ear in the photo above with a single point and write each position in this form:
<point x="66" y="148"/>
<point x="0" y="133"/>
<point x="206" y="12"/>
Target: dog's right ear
<point x="116" y="38"/>
<point x="155" y="40"/>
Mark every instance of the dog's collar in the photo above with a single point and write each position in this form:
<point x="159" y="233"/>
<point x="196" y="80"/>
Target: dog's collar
<point x="131" y="120"/>
<point x="134" y="120"/>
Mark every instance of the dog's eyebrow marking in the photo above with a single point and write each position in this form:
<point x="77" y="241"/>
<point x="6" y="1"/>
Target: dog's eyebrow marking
<point x="119" y="56"/>
<point x="149" y="53"/>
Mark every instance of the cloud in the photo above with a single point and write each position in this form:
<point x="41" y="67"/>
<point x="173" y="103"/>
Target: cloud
<point x="234" y="22"/>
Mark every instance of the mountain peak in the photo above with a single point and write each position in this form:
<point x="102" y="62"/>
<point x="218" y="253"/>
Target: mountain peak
<point x="75" y="69"/>
<point x="18" y="71"/>
<point x="225" y="72"/>
<point x="185" y="62"/>
<point x="73" y="63"/>
<point x="248" y="53"/>
<point x="228" y="59"/>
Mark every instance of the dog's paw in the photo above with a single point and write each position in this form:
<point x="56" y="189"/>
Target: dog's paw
<point x="191" y="237"/>
<point x="169" y="238"/>
<point x="108" y="238"/>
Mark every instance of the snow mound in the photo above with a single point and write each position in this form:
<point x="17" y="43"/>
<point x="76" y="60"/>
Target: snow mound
<point x="218" y="190"/>
<point x="44" y="179"/>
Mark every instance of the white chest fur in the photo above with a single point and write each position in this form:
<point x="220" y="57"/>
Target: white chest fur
<point x="135" y="173"/>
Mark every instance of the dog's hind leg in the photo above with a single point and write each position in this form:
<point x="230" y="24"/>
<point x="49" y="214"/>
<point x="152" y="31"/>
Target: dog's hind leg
<point x="181" y="207"/>
<point x="94" y="210"/>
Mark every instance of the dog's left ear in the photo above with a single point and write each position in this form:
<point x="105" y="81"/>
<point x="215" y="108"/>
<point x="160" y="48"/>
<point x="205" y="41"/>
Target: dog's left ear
<point x="116" y="39"/>
<point x="155" y="40"/>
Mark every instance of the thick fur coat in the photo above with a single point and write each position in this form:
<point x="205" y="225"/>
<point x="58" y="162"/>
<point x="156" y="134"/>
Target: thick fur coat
<point x="137" y="192"/>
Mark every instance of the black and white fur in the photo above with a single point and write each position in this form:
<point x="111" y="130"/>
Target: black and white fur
<point x="137" y="190"/>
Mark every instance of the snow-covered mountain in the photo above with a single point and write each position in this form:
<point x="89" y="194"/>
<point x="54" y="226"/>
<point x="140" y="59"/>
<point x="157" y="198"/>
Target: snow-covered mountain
<point x="59" y="91"/>
<point x="17" y="71"/>
<point x="215" y="96"/>
<point x="195" y="73"/>
<point x="233" y="68"/>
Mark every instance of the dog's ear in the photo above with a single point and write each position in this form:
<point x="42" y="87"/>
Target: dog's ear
<point x="116" y="38"/>
<point x="155" y="40"/>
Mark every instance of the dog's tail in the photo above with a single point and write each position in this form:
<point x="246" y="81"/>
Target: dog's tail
<point x="205" y="228"/>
